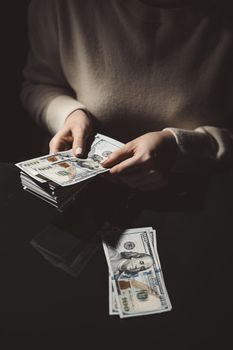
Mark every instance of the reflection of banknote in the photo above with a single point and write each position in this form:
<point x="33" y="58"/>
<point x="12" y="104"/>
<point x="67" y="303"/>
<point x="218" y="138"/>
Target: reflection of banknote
<point x="63" y="250"/>
<point x="65" y="169"/>
<point x="136" y="277"/>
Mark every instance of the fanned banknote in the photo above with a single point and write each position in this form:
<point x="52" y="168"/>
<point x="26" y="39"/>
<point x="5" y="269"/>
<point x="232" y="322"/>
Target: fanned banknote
<point x="136" y="282"/>
<point x="64" y="169"/>
<point x="58" y="178"/>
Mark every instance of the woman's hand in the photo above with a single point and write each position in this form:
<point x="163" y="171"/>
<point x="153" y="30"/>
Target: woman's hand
<point x="74" y="134"/>
<point x="145" y="162"/>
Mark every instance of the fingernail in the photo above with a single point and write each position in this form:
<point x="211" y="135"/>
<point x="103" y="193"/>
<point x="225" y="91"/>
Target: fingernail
<point x="78" y="151"/>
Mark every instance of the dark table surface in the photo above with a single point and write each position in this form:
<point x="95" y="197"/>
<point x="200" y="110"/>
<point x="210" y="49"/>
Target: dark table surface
<point x="194" y="236"/>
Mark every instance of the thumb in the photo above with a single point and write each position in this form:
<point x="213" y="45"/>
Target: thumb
<point x="56" y="144"/>
<point x="79" y="144"/>
<point x="117" y="156"/>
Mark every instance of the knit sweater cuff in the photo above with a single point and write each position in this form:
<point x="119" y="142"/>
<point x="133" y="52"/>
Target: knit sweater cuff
<point x="58" y="110"/>
<point x="196" y="149"/>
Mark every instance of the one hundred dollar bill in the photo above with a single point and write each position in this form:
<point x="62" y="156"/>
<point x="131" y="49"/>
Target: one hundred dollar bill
<point x="113" y="308"/>
<point x="64" y="169"/>
<point x="138" y="286"/>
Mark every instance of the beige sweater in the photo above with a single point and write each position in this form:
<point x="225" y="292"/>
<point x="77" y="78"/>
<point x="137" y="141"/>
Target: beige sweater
<point x="136" y="68"/>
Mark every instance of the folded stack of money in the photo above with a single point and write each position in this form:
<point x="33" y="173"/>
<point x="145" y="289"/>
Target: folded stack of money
<point x="136" y="283"/>
<point x="58" y="178"/>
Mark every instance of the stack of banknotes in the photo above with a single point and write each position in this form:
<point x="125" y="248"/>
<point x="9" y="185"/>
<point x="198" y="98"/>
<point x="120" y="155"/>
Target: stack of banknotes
<point x="58" y="178"/>
<point x="136" y="283"/>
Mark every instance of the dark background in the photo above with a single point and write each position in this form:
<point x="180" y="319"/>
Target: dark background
<point x="20" y="138"/>
<point x="45" y="305"/>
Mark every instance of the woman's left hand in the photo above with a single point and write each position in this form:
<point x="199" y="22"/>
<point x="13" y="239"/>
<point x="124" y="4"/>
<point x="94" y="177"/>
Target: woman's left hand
<point x="144" y="163"/>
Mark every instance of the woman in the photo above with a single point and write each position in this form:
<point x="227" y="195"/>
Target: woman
<point x="154" y="74"/>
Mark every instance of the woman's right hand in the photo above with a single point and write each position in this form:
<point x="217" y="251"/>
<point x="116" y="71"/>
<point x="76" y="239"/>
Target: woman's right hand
<point x="74" y="134"/>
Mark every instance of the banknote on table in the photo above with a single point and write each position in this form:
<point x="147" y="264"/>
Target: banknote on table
<point x="57" y="178"/>
<point x="136" y="283"/>
<point x="113" y="308"/>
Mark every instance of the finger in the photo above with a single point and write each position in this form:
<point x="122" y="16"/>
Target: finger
<point x="133" y="166"/>
<point x="79" y="142"/>
<point x="139" y="169"/>
<point x="130" y="163"/>
<point x="117" y="157"/>
<point x="57" y="145"/>
<point x="53" y="149"/>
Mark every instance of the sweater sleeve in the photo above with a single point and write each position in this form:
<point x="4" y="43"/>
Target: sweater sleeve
<point x="203" y="149"/>
<point x="46" y="94"/>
